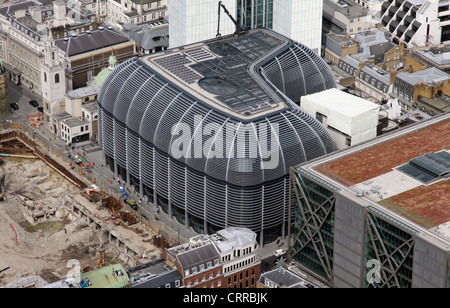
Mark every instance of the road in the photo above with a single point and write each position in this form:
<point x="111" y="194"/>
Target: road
<point x="21" y="96"/>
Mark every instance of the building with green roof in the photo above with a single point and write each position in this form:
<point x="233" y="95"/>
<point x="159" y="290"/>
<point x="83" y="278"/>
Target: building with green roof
<point x="105" y="72"/>
<point x="112" y="276"/>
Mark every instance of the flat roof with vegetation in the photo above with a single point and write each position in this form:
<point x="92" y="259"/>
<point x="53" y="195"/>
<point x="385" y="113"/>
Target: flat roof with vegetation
<point x="381" y="166"/>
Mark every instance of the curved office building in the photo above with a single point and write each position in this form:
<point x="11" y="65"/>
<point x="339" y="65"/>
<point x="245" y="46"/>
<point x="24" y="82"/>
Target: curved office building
<point x="209" y="131"/>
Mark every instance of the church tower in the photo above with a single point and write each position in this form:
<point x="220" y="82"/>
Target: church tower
<point x="53" y="83"/>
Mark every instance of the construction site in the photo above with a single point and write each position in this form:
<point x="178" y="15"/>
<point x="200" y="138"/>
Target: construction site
<point x="50" y="215"/>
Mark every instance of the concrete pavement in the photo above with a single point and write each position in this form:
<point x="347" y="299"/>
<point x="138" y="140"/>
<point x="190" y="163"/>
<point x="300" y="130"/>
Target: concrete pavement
<point x="20" y="95"/>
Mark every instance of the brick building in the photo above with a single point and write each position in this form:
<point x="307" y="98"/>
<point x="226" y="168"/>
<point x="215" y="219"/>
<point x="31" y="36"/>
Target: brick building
<point x="226" y="259"/>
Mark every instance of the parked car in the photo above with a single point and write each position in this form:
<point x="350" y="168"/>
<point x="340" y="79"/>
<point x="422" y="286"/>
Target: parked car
<point x="34" y="103"/>
<point x="40" y="109"/>
<point x="14" y="106"/>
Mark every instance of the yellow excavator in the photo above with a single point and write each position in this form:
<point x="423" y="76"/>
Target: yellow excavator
<point x="2" y="187"/>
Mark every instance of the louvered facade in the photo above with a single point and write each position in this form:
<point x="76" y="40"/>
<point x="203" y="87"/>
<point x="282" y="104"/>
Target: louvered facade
<point x="236" y="98"/>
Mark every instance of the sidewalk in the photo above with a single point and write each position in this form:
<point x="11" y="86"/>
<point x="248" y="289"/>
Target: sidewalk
<point x="49" y="138"/>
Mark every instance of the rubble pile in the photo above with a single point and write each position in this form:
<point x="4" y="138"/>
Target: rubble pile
<point x="37" y="231"/>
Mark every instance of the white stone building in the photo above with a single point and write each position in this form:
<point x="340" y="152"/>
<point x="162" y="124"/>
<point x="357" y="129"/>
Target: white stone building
<point x="351" y="120"/>
<point x="120" y="12"/>
<point x="418" y="23"/>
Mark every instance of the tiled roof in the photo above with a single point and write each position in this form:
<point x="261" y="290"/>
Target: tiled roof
<point x="88" y="41"/>
<point x="197" y="256"/>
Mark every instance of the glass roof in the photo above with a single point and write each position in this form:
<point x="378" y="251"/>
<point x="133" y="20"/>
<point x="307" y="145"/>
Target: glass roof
<point x="428" y="167"/>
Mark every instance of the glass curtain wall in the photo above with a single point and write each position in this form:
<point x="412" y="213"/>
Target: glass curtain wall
<point x="313" y="226"/>
<point x="255" y="13"/>
<point x="393" y="249"/>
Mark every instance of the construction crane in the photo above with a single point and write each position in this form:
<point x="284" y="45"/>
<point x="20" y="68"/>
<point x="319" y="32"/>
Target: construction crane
<point x="2" y="187"/>
<point x="239" y="29"/>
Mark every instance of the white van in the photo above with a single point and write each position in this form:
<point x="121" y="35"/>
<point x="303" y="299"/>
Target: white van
<point x="280" y="252"/>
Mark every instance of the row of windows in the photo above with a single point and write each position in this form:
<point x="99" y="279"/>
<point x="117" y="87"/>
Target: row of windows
<point x="146" y="6"/>
<point x="240" y="276"/>
<point x="237" y="253"/>
<point x="22" y="53"/>
<point x="56" y="77"/>
<point x="201" y="267"/>
<point x="370" y="80"/>
<point x="245" y="284"/>
<point x="404" y="94"/>
<point x="120" y="15"/>
<point x="347" y="68"/>
<point x="236" y="266"/>
<point x="65" y="136"/>
<point x="211" y="275"/>
<point x="24" y="29"/>
<point x="212" y="285"/>
<point x="177" y="284"/>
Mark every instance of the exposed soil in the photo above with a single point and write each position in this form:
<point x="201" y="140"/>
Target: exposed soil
<point x="42" y="249"/>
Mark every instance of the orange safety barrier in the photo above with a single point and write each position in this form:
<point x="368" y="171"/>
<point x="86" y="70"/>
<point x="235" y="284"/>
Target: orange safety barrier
<point x="35" y="120"/>
<point x="90" y="165"/>
<point x="17" y="242"/>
